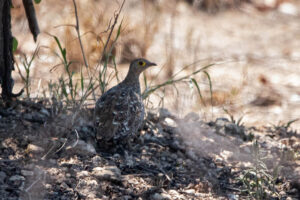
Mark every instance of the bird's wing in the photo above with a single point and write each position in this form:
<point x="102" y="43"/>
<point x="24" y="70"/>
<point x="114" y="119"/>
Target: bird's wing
<point x="111" y="112"/>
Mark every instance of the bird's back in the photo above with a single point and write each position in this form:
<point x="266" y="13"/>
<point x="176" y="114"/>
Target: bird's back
<point x="119" y="112"/>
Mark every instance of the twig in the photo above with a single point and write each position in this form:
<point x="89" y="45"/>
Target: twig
<point x="62" y="146"/>
<point x="77" y="138"/>
<point x="31" y="17"/>
<point x="52" y="147"/>
<point x="30" y="186"/>
<point x="78" y="33"/>
<point x="117" y="14"/>
<point x="81" y="45"/>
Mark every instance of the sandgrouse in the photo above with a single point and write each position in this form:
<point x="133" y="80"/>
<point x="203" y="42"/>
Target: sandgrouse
<point x="119" y="112"/>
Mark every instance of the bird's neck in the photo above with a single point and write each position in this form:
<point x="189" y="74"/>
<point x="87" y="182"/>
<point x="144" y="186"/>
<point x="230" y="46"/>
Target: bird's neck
<point x="132" y="80"/>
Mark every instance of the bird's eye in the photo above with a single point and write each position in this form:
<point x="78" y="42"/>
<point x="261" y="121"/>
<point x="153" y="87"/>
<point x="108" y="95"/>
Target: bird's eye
<point x="142" y="63"/>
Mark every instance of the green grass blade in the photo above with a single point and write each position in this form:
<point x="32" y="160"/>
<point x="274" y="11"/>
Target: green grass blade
<point x="198" y="90"/>
<point x="210" y="87"/>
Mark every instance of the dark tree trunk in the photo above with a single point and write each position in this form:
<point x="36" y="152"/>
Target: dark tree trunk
<point x="6" y="51"/>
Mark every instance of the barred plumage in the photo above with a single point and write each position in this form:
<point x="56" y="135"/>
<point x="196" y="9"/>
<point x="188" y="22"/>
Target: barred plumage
<point x="119" y="112"/>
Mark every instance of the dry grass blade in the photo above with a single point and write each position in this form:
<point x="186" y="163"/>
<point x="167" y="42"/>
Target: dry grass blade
<point x="152" y="89"/>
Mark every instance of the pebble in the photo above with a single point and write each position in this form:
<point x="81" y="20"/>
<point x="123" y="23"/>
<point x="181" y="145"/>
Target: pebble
<point x="18" y="181"/>
<point x="27" y="173"/>
<point x="190" y="191"/>
<point x="48" y="186"/>
<point x="64" y="185"/>
<point x="233" y="197"/>
<point x="52" y="161"/>
<point x="96" y="160"/>
<point x="34" y="148"/>
<point x="158" y="196"/>
<point x="219" y="160"/>
<point x="174" y="156"/>
<point x="126" y="197"/>
<point x="282" y="193"/>
<point x="45" y="112"/>
<point x="17" y="178"/>
<point x="2" y="176"/>
<point x="173" y="192"/>
<point x="221" y="121"/>
<point x="107" y="173"/>
<point x="83" y="148"/>
<point x="83" y="173"/>
<point x="192" y="155"/>
<point x="247" y="150"/>
<point x="212" y="165"/>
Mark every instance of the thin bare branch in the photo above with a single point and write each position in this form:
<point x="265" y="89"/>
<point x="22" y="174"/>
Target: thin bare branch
<point x="117" y="14"/>
<point x="78" y="34"/>
<point x="31" y="17"/>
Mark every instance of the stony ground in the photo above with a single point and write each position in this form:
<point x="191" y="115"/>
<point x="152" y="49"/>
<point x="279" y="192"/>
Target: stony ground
<point x="48" y="152"/>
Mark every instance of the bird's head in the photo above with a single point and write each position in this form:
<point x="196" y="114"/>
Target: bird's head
<point x="137" y="66"/>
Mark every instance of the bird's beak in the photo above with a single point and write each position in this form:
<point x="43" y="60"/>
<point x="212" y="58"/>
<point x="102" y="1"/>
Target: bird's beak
<point x="152" y="64"/>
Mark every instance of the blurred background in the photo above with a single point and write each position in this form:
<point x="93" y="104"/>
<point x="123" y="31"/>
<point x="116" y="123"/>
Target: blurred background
<point x="252" y="45"/>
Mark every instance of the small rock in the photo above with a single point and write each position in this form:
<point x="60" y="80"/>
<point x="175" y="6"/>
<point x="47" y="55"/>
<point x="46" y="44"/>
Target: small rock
<point x="288" y="8"/>
<point x="282" y="193"/>
<point x="83" y="173"/>
<point x="234" y="129"/>
<point x="45" y="112"/>
<point x="190" y="191"/>
<point x="96" y="160"/>
<point x="32" y="148"/>
<point x="293" y="191"/>
<point x="166" y="196"/>
<point x="17" y="178"/>
<point x="174" y="156"/>
<point x="107" y="173"/>
<point x="221" y="122"/>
<point x="64" y="185"/>
<point x="18" y="181"/>
<point x="170" y="122"/>
<point x="175" y="195"/>
<point x="164" y="113"/>
<point x="158" y="196"/>
<point x="247" y="150"/>
<point x="126" y="197"/>
<point x="27" y="173"/>
<point x="173" y="192"/>
<point x="52" y="161"/>
<point x="233" y="197"/>
<point x="48" y="186"/>
<point x="35" y="117"/>
<point x="83" y="148"/>
<point x="2" y="177"/>
<point x="191" y="154"/>
<point x="212" y="165"/>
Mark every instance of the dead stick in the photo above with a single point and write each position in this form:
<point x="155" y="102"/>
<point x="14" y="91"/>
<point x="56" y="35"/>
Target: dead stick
<point x="31" y="17"/>
<point x="78" y="33"/>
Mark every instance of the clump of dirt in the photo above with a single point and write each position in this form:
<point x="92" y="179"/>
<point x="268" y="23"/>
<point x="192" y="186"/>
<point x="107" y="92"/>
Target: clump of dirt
<point x="48" y="152"/>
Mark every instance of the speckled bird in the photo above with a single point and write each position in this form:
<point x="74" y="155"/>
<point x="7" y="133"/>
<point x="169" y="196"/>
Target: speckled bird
<point x="119" y="112"/>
